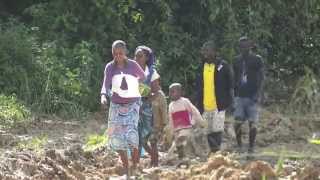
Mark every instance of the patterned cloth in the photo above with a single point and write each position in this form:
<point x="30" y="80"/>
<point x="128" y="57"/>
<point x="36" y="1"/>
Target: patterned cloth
<point x="215" y="120"/>
<point x="123" y="126"/>
<point x="146" y="119"/>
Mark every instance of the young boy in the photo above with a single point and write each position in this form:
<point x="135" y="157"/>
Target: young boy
<point x="183" y="116"/>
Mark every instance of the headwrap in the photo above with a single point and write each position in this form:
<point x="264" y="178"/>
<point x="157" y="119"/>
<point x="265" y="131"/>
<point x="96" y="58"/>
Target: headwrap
<point x="150" y="61"/>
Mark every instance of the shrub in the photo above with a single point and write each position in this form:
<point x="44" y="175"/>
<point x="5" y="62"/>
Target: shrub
<point x="12" y="112"/>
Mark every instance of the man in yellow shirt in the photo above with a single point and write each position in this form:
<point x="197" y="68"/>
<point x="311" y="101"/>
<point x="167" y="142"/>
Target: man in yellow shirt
<point x="215" y="92"/>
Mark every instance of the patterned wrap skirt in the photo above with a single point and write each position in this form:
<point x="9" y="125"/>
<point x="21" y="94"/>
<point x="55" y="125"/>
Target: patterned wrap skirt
<point x="123" y="126"/>
<point x="146" y="120"/>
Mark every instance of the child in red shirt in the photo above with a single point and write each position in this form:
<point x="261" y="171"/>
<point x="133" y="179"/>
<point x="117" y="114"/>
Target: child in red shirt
<point x="183" y="115"/>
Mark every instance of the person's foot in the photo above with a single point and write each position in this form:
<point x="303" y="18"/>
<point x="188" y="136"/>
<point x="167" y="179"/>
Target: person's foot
<point x="250" y="155"/>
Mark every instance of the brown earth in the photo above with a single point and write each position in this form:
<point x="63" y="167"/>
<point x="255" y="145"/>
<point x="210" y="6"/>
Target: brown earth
<point x="280" y="139"/>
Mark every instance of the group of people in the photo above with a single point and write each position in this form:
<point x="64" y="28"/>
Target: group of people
<point x="138" y="111"/>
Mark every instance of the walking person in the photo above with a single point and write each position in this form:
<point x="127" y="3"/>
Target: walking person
<point x="153" y="112"/>
<point x="215" y="93"/>
<point x="184" y="118"/>
<point x="249" y="75"/>
<point x="121" y="85"/>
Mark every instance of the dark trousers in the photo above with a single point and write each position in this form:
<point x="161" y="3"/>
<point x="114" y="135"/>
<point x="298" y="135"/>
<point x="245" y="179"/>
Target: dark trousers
<point x="215" y="140"/>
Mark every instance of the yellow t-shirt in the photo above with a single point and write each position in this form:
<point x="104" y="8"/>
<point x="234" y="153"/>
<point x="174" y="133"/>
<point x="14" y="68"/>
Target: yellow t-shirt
<point x="209" y="97"/>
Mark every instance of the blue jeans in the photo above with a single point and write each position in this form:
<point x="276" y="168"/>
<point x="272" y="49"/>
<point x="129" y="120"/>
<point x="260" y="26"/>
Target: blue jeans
<point x="246" y="109"/>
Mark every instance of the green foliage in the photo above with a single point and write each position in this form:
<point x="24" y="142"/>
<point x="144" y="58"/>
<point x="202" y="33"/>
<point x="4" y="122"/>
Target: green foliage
<point x="306" y="96"/>
<point x="12" y="112"/>
<point x="16" y="64"/>
<point x="314" y="141"/>
<point x="35" y="144"/>
<point x="53" y="57"/>
<point x="95" y="141"/>
<point x="279" y="165"/>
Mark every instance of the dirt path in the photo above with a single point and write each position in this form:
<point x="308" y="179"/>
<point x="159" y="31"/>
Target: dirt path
<point x="282" y="153"/>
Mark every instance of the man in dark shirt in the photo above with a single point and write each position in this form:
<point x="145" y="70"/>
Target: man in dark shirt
<point x="249" y="75"/>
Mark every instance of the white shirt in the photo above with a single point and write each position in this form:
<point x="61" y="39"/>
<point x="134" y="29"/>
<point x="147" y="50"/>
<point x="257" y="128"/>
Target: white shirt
<point x="154" y="76"/>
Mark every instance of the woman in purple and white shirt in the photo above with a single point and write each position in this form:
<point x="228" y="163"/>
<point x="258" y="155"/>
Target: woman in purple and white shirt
<point x="121" y="85"/>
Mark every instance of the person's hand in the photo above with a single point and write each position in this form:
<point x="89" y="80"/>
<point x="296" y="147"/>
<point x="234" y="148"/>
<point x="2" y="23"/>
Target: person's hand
<point x="204" y="124"/>
<point x="103" y="100"/>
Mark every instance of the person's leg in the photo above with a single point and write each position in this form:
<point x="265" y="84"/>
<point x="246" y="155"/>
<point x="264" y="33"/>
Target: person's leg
<point x="218" y="120"/>
<point x="219" y="139"/>
<point x="155" y="154"/>
<point x="180" y="152"/>
<point x="140" y="143"/>
<point x="238" y="132"/>
<point x="124" y="159"/>
<point x="239" y="116"/>
<point x="209" y="117"/>
<point x="135" y="157"/>
<point x="146" y="146"/>
<point x="211" y="141"/>
<point x="215" y="140"/>
<point x="252" y="136"/>
<point x="154" y="148"/>
<point x="145" y="126"/>
<point x="181" y="143"/>
<point x="253" y="119"/>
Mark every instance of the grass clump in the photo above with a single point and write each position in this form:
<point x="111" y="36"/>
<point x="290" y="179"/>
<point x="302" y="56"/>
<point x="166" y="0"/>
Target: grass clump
<point x="95" y="141"/>
<point x="12" y="112"/>
<point x="35" y="144"/>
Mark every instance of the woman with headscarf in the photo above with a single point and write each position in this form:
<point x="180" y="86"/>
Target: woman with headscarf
<point x="121" y="85"/>
<point x="153" y="112"/>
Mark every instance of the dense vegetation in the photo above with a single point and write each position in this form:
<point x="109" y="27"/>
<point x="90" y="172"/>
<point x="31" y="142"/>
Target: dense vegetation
<point x="53" y="52"/>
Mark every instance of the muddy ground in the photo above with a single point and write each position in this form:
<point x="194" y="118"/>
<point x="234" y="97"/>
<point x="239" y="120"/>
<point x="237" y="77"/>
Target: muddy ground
<point x="283" y="152"/>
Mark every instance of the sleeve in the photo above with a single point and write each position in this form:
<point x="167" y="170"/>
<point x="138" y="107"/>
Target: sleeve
<point x="139" y="72"/>
<point x="107" y="79"/>
<point x="155" y="75"/>
<point x="196" y="117"/>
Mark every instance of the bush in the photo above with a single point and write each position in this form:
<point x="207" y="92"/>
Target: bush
<point x="12" y="112"/>
<point x="56" y="62"/>
<point x="306" y="97"/>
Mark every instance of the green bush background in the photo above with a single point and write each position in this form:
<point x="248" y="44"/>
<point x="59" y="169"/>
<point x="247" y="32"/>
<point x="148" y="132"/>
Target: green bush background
<point x="53" y="53"/>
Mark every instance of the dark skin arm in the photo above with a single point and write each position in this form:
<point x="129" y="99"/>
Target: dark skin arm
<point x="155" y="87"/>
